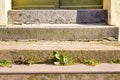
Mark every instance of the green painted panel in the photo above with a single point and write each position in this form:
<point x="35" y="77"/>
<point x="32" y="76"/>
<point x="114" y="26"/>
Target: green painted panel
<point x="23" y="4"/>
<point x="33" y="4"/>
<point x="81" y="3"/>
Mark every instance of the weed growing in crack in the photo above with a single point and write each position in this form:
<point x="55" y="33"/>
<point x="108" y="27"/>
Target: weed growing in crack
<point x="4" y="63"/>
<point x="61" y="59"/>
<point x="116" y="61"/>
<point x="91" y="62"/>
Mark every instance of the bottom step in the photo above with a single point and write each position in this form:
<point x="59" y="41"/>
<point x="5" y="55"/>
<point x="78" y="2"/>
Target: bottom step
<point x="43" y="50"/>
<point x="60" y="77"/>
<point x="103" y="68"/>
<point x="51" y="72"/>
<point x="63" y="32"/>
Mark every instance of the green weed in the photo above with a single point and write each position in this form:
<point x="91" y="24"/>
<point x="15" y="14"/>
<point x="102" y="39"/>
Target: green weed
<point x="4" y="63"/>
<point x="91" y="62"/>
<point x="116" y="61"/>
<point x="62" y="59"/>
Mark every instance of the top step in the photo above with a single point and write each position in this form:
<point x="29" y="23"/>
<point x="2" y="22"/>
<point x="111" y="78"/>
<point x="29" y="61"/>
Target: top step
<point x="81" y="16"/>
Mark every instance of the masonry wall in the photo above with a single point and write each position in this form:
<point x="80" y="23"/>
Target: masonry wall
<point x="5" y="5"/>
<point x="115" y="13"/>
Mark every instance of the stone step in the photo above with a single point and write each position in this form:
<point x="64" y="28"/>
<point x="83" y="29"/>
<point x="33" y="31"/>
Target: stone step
<point x="42" y="51"/>
<point x="59" y="32"/>
<point x="100" y="76"/>
<point x="103" y="68"/>
<point x="81" y="16"/>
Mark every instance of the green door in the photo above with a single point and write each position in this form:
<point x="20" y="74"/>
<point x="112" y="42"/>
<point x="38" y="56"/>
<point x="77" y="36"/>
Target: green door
<point x="81" y="3"/>
<point x="64" y="4"/>
<point x="33" y="4"/>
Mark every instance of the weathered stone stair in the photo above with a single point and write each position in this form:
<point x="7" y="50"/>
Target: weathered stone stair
<point x="37" y="33"/>
<point x="43" y="50"/>
<point x="59" y="32"/>
<point x="80" y="16"/>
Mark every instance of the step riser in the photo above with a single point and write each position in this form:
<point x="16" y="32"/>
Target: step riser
<point x="60" y="77"/>
<point x="44" y="56"/>
<point x="59" y="34"/>
<point x="57" y="16"/>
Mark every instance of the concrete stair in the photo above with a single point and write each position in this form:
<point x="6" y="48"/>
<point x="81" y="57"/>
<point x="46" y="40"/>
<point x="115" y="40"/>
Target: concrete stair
<point x="59" y="32"/>
<point x="80" y="34"/>
<point x="103" y="68"/>
<point x="61" y="77"/>
<point x="43" y="50"/>
<point x="80" y="16"/>
<point x="104" y="52"/>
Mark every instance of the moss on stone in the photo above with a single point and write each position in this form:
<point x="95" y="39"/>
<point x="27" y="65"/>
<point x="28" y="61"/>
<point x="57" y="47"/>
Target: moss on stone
<point x="45" y="55"/>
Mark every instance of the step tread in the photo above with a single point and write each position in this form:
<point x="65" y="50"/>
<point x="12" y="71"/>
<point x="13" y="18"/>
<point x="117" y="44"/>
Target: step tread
<point x="45" y="68"/>
<point x="58" y="32"/>
<point x="59" y="26"/>
<point x="58" y="45"/>
<point x="80" y="16"/>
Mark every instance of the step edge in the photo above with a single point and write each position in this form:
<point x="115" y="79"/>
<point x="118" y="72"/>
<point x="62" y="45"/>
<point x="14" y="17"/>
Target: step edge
<point x="59" y="26"/>
<point x="62" y="69"/>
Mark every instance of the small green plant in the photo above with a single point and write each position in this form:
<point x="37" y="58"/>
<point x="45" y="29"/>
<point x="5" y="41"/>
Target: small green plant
<point x="91" y="62"/>
<point x="23" y="61"/>
<point x="62" y="59"/>
<point x="116" y="61"/>
<point x="4" y="62"/>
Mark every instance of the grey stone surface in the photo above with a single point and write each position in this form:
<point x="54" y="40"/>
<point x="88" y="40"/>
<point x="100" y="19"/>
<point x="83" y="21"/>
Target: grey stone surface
<point x="42" y="16"/>
<point x="61" y="77"/>
<point x="81" y="16"/>
<point x="92" y="16"/>
<point x="58" y="32"/>
<point x="42" y="51"/>
<point x="103" y="68"/>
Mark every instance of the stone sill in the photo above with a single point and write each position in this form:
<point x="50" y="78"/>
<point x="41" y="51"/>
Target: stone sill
<point x="103" y="68"/>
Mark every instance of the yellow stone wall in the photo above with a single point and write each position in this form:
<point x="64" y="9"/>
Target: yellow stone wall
<point x="107" y="6"/>
<point x="5" y="5"/>
<point x="115" y="12"/>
